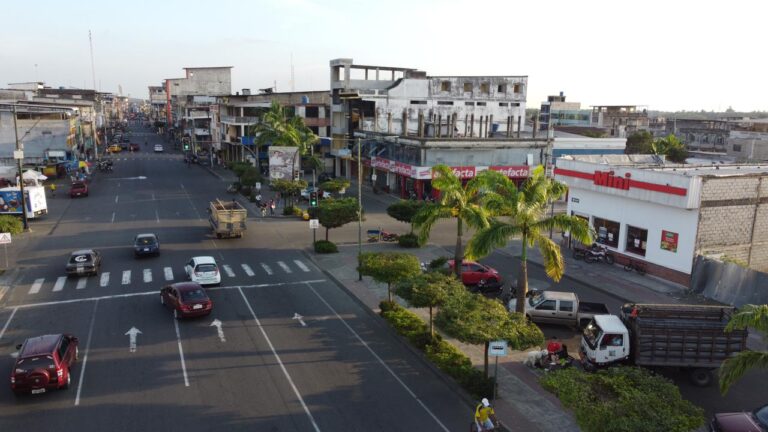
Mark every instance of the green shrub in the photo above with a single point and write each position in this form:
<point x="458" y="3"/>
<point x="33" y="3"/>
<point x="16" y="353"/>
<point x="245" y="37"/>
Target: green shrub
<point x="439" y="264"/>
<point x="409" y="241"/>
<point x="288" y="211"/>
<point x="245" y="191"/>
<point x="386" y="306"/>
<point x="647" y="402"/>
<point x="325" y="246"/>
<point x="11" y="224"/>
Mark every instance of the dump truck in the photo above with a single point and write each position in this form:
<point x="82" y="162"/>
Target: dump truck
<point x="227" y="218"/>
<point x="687" y="337"/>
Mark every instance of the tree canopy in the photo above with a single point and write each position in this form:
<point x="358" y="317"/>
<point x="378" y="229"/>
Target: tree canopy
<point x="429" y="290"/>
<point x="639" y="142"/>
<point x="671" y="147"/>
<point x="333" y="213"/>
<point x="405" y="211"/>
<point x="756" y="317"/>
<point x="389" y="267"/>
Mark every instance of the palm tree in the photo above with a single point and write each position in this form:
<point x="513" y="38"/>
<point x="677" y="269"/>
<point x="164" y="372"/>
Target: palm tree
<point x="525" y="211"/>
<point x="276" y="128"/>
<point x="755" y="316"/>
<point x="456" y="201"/>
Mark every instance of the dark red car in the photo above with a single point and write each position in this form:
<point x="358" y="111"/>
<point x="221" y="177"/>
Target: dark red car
<point x="78" y="189"/>
<point x="187" y="299"/>
<point x="473" y="273"/>
<point x="133" y="147"/>
<point x="44" y="363"/>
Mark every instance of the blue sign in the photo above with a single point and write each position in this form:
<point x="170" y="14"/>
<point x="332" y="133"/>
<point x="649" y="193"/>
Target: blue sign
<point x="10" y="202"/>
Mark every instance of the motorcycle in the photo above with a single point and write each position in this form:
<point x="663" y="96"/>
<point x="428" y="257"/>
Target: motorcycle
<point x="490" y="290"/>
<point x="599" y="253"/>
<point x="381" y="235"/>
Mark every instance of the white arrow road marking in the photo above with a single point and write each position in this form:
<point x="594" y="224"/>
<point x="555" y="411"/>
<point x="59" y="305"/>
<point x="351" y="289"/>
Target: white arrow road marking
<point x="126" y="277"/>
<point x="168" y="273"/>
<point x="59" y="285"/>
<point x="113" y="217"/>
<point x="147" y="275"/>
<point x="132" y="333"/>
<point x="284" y="266"/>
<point x="301" y="265"/>
<point x="36" y="286"/>
<point x="266" y="269"/>
<point x="216" y="323"/>
<point x="228" y="270"/>
<point x="104" y="281"/>
<point x="300" y="318"/>
<point x="116" y="196"/>
<point x="81" y="282"/>
<point x="248" y="270"/>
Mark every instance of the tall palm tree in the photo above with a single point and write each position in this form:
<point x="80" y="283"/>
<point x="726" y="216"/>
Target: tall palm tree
<point x="524" y="212"/>
<point x="755" y="316"/>
<point x="456" y="201"/>
<point x="276" y="128"/>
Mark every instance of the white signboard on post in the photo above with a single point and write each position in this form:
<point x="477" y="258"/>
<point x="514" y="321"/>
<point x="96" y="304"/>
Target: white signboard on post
<point x="5" y="238"/>
<point x="314" y="223"/>
<point x="497" y="348"/>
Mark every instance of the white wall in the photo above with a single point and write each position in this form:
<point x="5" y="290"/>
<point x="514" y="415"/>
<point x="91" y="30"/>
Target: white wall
<point x="647" y="215"/>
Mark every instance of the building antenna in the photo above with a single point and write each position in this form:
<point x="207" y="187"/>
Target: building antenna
<point x="293" y="87"/>
<point x="93" y="68"/>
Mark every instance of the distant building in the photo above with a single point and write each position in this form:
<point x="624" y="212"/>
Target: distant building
<point x="748" y="141"/>
<point x="700" y="134"/>
<point x="620" y="120"/>
<point x="157" y="101"/>
<point x="557" y="112"/>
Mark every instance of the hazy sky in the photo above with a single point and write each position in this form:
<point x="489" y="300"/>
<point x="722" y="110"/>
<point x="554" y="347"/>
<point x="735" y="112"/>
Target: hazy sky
<point x="666" y="55"/>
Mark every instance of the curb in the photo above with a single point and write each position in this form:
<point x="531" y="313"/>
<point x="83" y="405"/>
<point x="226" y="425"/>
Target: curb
<point x="214" y="173"/>
<point x="450" y="382"/>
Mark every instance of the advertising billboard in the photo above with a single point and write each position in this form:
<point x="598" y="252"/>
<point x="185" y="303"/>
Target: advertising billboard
<point x="283" y="162"/>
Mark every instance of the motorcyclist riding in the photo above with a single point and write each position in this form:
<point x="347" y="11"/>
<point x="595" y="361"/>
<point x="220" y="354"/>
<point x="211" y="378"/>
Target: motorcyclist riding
<point x="485" y="416"/>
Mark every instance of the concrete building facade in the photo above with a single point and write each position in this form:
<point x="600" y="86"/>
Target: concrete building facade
<point x="620" y="120"/>
<point x="557" y="112"/>
<point x="700" y="135"/>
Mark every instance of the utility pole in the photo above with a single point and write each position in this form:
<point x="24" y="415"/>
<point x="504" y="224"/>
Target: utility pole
<point x="20" y="148"/>
<point x="359" y="208"/>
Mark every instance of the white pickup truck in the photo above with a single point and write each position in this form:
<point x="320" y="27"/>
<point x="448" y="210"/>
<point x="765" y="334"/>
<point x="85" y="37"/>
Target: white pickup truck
<point x="557" y="307"/>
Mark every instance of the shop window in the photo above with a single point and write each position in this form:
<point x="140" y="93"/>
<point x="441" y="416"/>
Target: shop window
<point x="607" y="232"/>
<point x="637" y="239"/>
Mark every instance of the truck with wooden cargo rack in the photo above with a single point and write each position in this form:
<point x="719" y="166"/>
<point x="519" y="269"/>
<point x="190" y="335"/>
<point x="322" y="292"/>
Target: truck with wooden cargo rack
<point x="227" y="218"/>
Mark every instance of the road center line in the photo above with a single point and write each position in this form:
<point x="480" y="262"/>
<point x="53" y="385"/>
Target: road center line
<point x="280" y="362"/>
<point x="116" y="196"/>
<point x="113" y="217"/>
<point x="376" y="356"/>
<point x="85" y="356"/>
<point x="7" y="323"/>
<point x="181" y="353"/>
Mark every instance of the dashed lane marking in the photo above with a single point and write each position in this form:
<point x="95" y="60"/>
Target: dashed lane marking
<point x="126" y="277"/>
<point x="301" y="265"/>
<point x="59" y="285"/>
<point x="36" y="286"/>
<point x="228" y="270"/>
<point x="248" y="269"/>
<point x="266" y="269"/>
<point x="284" y="266"/>
<point x="104" y="280"/>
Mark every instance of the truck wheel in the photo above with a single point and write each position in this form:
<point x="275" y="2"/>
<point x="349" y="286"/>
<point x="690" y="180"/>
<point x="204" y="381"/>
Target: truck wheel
<point x="701" y="377"/>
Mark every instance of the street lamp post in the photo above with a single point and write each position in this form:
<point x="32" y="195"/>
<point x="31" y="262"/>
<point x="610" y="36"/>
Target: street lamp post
<point x="19" y="148"/>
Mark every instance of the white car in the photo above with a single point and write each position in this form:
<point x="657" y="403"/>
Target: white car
<point x="203" y="270"/>
<point x="158" y="148"/>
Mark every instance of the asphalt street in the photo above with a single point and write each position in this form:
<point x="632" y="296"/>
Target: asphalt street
<point x="293" y="351"/>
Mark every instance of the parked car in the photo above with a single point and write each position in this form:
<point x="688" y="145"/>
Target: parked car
<point x="44" y="363"/>
<point x="83" y="262"/>
<point x="474" y="273"/>
<point x="158" y="148"/>
<point x="114" y="148"/>
<point x="745" y="421"/>
<point x="78" y="189"/>
<point x="187" y="299"/>
<point x="134" y="147"/>
<point x="146" y="244"/>
<point x="203" y="270"/>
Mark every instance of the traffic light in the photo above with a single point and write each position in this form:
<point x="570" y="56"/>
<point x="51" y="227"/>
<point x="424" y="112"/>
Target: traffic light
<point x="186" y="146"/>
<point x="313" y="199"/>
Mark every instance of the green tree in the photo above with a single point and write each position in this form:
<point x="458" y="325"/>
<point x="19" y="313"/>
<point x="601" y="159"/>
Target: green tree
<point x="524" y="214"/>
<point x="389" y="267"/>
<point x="250" y="176"/>
<point x="456" y="202"/>
<point x="335" y="185"/>
<point x="474" y="319"/>
<point x="639" y="142"/>
<point x="405" y="211"/>
<point x="333" y="213"/>
<point x="671" y="147"/>
<point x="239" y="168"/>
<point x="288" y="189"/>
<point x="429" y="290"/>
<point x="756" y="317"/>
<point x="11" y="224"/>
<point x="277" y="128"/>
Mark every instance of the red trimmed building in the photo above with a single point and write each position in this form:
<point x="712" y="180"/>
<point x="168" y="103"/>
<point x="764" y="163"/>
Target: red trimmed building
<point x="664" y="215"/>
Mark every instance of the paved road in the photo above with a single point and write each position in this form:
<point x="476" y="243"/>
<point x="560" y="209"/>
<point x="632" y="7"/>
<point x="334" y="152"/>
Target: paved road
<point x="338" y="368"/>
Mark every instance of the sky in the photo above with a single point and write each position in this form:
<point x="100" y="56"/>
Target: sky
<point x="662" y="55"/>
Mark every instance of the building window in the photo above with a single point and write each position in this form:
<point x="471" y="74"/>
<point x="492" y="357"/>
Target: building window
<point x="503" y="104"/>
<point x="517" y="88"/>
<point x="445" y="86"/>
<point x="637" y="239"/>
<point x="312" y="112"/>
<point x="485" y="88"/>
<point x="607" y="231"/>
<point x="737" y="147"/>
<point x="445" y="102"/>
<point x="481" y="104"/>
<point x="469" y="103"/>
<point x="502" y="88"/>
<point x="467" y="87"/>
<point x="418" y="102"/>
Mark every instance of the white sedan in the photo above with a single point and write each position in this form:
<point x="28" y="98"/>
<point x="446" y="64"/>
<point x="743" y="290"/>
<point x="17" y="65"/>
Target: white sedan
<point x="158" y="148"/>
<point x="203" y="270"/>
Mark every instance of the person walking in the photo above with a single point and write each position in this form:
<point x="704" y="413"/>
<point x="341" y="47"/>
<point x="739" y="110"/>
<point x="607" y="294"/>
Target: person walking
<point x="272" y="207"/>
<point x="53" y="190"/>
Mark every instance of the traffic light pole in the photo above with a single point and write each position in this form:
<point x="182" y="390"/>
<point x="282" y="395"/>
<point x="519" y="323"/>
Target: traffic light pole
<point x="24" y="219"/>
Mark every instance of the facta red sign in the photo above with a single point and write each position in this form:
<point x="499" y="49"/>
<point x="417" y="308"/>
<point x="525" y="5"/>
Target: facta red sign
<point x="608" y="179"/>
<point x="464" y="172"/>
<point x="522" y="171"/>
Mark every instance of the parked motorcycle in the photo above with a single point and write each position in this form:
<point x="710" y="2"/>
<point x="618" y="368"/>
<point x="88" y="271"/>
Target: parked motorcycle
<point x="599" y="253"/>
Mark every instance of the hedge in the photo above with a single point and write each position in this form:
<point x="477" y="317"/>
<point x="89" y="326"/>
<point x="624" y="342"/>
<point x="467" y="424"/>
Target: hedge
<point x="444" y="355"/>
<point x="325" y="246"/>
<point x="408" y="241"/>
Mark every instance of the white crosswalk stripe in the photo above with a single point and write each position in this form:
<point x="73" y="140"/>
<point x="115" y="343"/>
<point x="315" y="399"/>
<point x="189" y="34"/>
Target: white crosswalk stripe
<point x="81" y="281"/>
<point x="126" y="277"/>
<point x="266" y="269"/>
<point x="301" y="265"/>
<point x="228" y="270"/>
<point x="284" y="266"/>
<point x="59" y="285"/>
<point x="147" y="275"/>
<point x="168" y="273"/>
<point x="248" y="270"/>
<point x="104" y="280"/>
<point x="36" y="286"/>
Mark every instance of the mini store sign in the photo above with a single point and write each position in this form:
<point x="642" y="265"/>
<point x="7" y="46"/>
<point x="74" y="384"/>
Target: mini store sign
<point x="669" y="241"/>
<point x="608" y="179"/>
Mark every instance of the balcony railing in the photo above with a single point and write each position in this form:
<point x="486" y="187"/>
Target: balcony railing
<point x="239" y="120"/>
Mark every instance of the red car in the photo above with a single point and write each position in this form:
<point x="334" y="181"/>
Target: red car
<point x="187" y="299"/>
<point x="473" y="273"/>
<point x="44" y="363"/>
<point x="78" y="189"/>
<point x="133" y="147"/>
